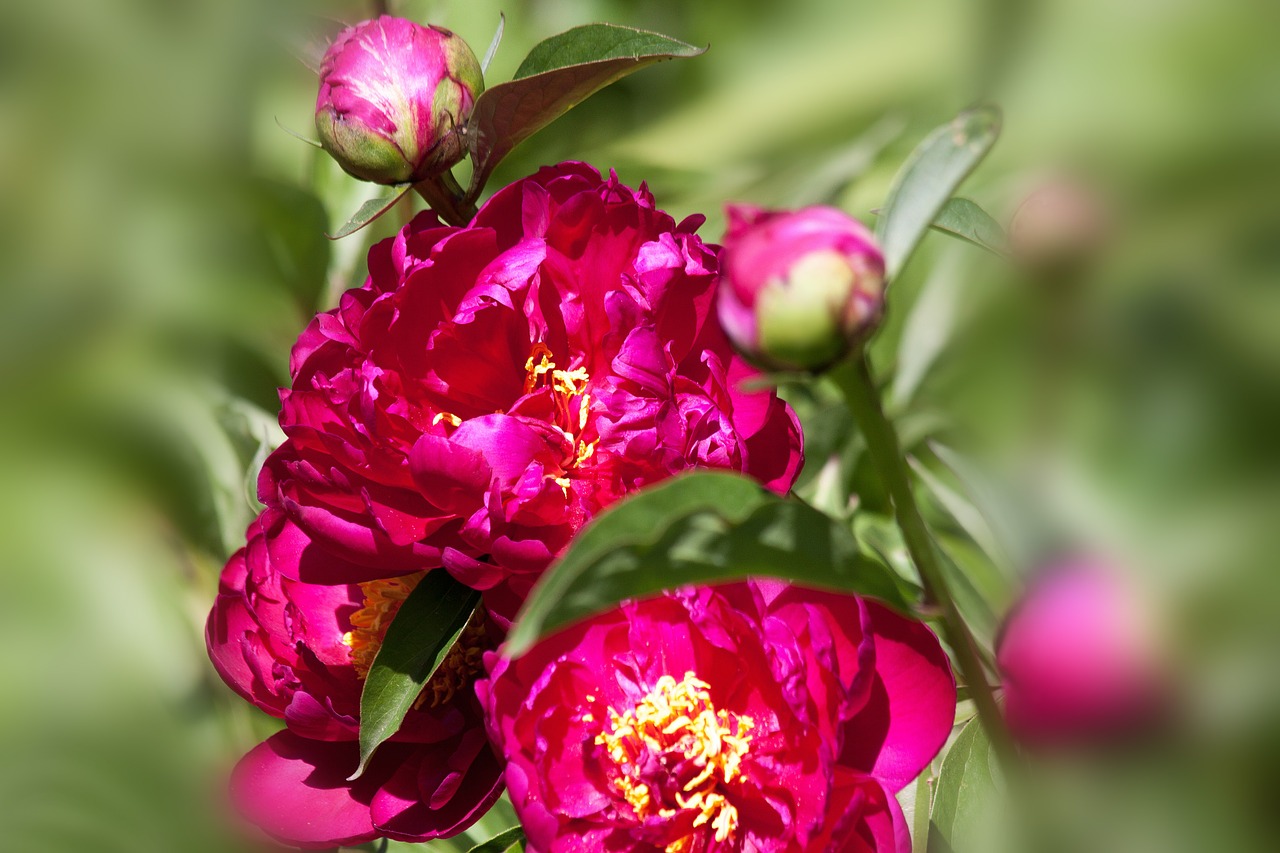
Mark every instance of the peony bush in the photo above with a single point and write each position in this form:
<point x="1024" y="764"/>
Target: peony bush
<point x="539" y="523"/>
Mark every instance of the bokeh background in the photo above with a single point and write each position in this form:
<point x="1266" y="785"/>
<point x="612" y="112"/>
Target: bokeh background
<point x="162" y="244"/>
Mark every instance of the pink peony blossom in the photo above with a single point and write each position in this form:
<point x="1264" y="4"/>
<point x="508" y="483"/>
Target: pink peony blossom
<point x="754" y="716"/>
<point x="1081" y="657"/>
<point x="800" y="287"/>
<point x="300" y="652"/>
<point x="491" y="388"/>
<point x="392" y="96"/>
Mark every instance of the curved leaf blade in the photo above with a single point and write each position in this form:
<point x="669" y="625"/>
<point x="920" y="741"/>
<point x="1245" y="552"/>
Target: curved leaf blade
<point x="501" y="842"/>
<point x="963" y="218"/>
<point x="423" y="631"/>
<point x="557" y="75"/>
<point x="965" y="788"/>
<point x="929" y="178"/>
<point x="698" y="528"/>
<point x="371" y="210"/>
<point x="598" y="43"/>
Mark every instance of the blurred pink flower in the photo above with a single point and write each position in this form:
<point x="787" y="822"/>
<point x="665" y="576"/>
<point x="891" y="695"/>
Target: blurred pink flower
<point x="800" y="287"/>
<point x="754" y="716"/>
<point x="1080" y="657"/>
<point x="392" y="96"/>
<point x="300" y="652"/>
<point x="491" y="388"/>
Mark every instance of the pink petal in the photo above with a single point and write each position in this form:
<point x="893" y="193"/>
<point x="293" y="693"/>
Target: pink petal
<point x="912" y="706"/>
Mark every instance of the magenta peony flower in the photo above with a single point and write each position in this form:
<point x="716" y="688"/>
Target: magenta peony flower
<point x="491" y="388"/>
<point x="1081" y="658"/>
<point x="754" y="716"/>
<point x="300" y="652"/>
<point x="393" y="95"/>
<point x="800" y="288"/>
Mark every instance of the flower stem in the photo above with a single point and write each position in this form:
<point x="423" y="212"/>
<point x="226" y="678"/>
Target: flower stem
<point x="446" y="198"/>
<point x="863" y="399"/>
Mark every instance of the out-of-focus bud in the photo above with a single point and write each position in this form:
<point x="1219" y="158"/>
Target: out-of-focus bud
<point x="1082" y="658"/>
<point x="800" y="288"/>
<point x="1059" y="226"/>
<point x="393" y="96"/>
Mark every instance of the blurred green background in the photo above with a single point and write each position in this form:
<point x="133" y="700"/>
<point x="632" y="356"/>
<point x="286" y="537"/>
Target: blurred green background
<point x="162" y="244"/>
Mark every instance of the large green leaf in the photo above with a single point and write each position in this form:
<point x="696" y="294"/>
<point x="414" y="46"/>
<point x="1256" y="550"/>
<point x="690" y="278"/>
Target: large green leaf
<point x="929" y="178"/>
<point x="701" y="527"/>
<point x="423" y="631"/>
<point x="965" y="789"/>
<point x="557" y="75"/>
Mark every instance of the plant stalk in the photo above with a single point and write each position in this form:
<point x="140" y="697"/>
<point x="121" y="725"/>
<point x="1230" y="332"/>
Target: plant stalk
<point x="863" y="399"/>
<point x="446" y="198"/>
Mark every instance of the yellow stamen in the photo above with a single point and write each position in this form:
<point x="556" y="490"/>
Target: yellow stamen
<point x="570" y="418"/>
<point x="678" y="717"/>
<point x="453" y="419"/>
<point x="382" y="600"/>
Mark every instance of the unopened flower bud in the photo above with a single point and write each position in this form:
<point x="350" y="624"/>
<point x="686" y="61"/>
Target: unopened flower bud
<point x="393" y="97"/>
<point x="1058" y="227"/>
<point x="1082" y="658"/>
<point x="800" y="288"/>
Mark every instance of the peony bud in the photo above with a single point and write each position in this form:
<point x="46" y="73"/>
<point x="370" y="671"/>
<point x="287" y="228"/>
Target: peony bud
<point x="393" y="96"/>
<point x="800" y="288"/>
<point x="1081" y="658"/>
<point x="1058" y="227"/>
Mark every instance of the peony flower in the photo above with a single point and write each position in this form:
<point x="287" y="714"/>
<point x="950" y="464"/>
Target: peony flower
<point x="491" y="388"/>
<point x="800" y="288"/>
<point x="393" y="95"/>
<point x="754" y="716"/>
<point x="300" y="652"/>
<point x="1081" y="657"/>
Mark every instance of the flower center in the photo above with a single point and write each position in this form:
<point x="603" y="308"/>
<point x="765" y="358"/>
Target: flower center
<point x="382" y="600"/>
<point x="570" y="401"/>
<point x="697" y="746"/>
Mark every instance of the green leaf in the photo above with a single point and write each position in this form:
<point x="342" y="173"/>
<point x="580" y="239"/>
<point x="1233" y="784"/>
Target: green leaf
<point x="593" y="43"/>
<point x="371" y="210"/>
<point x="501" y="842"/>
<point x="423" y="631"/>
<point x="965" y="513"/>
<point x="702" y="527"/>
<point x="965" y="788"/>
<point x="493" y="45"/>
<point x="930" y="177"/>
<point x="929" y="326"/>
<point x="557" y="75"/>
<point x="1022" y="536"/>
<point x="963" y="218"/>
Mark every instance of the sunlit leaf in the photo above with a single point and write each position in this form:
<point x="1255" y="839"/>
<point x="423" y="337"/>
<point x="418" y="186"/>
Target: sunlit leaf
<point x="558" y="74"/>
<point x="371" y="210"/>
<point x="493" y="45"/>
<point x="965" y="513"/>
<point x="929" y="178"/>
<point x="963" y="218"/>
<point x="703" y="527"/>
<point x="965" y="788"/>
<point x="420" y="636"/>
<point x="928" y="327"/>
<point x="502" y="842"/>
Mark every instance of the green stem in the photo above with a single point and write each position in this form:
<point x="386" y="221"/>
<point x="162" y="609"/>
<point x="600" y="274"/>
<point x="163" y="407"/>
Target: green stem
<point x="446" y="198"/>
<point x="863" y="398"/>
